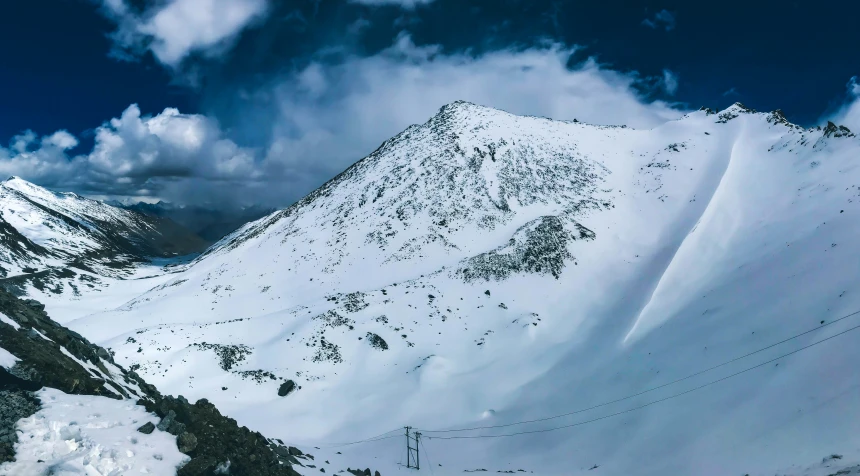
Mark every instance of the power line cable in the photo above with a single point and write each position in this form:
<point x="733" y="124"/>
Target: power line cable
<point x="649" y="403"/>
<point x="427" y="455"/>
<point x="366" y="440"/>
<point x="709" y="369"/>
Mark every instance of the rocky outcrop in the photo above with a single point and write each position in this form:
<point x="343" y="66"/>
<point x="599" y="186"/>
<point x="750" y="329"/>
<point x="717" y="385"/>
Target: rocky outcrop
<point x="540" y="247"/>
<point x="366" y="472"/>
<point x="14" y="405"/>
<point x="286" y="388"/>
<point x="832" y="130"/>
<point x="376" y="341"/>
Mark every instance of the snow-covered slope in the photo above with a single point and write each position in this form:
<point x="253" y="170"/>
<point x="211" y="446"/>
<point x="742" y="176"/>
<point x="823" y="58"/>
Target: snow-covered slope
<point x="67" y="408"/>
<point x="52" y="441"/>
<point x="48" y="240"/>
<point x="483" y="269"/>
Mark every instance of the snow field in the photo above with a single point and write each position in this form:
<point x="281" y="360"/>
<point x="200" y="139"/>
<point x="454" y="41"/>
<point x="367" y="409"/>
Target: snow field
<point x="92" y="436"/>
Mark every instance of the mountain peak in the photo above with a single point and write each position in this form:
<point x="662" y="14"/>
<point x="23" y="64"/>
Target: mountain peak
<point x="27" y="188"/>
<point x="460" y="108"/>
<point x="738" y="107"/>
<point x="833" y="130"/>
<point x="17" y="183"/>
<point x="462" y="104"/>
<point x="734" y="111"/>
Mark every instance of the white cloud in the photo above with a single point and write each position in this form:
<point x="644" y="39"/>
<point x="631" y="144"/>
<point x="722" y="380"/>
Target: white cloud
<point x="176" y="28"/>
<point x="167" y="145"/>
<point x="663" y="19"/>
<point x="44" y="160"/>
<point x="328" y="116"/>
<point x="61" y="139"/>
<point x="670" y="82"/>
<point x="137" y="155"/>
<point x="849" y="114"/>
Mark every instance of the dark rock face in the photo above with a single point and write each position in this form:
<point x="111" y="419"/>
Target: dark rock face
<point x="376" y="341"/>
<point x="366" y="472"/>
<point x="538" y="247"/>
<point x="286" y="388"/>
<point x="14" y="405"/>
<point x="832" y="130"/>
<point x="34" y="304"/>
<point x="165" y="422"/>
<point x="186" y="442"/>
<point x="214" y="442"/>
<point x="147" y="428"/>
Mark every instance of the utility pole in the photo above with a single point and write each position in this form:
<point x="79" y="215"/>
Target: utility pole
<point x="412" y="456"/>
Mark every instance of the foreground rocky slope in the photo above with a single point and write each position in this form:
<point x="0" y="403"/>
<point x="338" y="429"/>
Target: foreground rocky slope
<point x="36" y="352"/>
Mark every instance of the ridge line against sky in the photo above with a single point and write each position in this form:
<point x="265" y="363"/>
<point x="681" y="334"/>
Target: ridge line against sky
<point x="264" y="100"/>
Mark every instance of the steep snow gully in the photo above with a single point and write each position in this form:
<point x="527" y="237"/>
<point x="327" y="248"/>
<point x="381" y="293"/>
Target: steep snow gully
<point x="485" y="269"/>
<point x="700" y="209"/>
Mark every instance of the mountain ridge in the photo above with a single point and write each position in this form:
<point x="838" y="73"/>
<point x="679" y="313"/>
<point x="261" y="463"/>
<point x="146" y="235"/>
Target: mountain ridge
<point x="52" y="241"/>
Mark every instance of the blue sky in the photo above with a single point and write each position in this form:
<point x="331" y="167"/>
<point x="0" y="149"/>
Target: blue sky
<point x="267" y="99"/>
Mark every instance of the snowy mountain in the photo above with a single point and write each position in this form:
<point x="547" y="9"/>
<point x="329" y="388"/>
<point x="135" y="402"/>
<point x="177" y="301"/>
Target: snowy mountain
<point x="483" y="269"/>
<point x="48" y="239"/>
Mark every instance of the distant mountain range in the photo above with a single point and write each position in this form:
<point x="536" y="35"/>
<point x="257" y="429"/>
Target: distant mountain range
<point x="43" y="231"/>
<point x="210" y="224"/>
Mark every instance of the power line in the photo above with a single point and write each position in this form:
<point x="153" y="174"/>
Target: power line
<point x="338" y="445"/>
<point x="366" y="440"/>
<point x="426" y="455"/>
<point x="649" y="403"/>
<point x="650" y="389"/>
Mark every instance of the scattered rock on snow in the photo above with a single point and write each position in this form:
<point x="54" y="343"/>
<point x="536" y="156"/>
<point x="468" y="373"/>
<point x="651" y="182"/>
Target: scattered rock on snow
<point x="286" y="388"/>
<point x="147" y="428"/>
<point x="376" y="341"/>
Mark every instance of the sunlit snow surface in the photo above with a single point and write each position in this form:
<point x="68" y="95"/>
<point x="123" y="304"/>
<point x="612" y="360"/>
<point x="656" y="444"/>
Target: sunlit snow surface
<point x="518" y="268"/>
<point x="87" y="435"/>
<point x="7" y="360"/>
